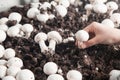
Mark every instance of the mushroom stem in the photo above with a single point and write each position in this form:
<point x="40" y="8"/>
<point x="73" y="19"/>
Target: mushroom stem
<point x="27" y="35"/>
<point x="43" y="46"/>
<point x="52" y="44"/>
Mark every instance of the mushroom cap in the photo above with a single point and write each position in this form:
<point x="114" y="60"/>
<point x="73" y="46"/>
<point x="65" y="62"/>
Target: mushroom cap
<point x="65" y="3"/>
<point x="71" y="1"/>
<point x="112" y="5"/>
<point x="45" y="5"/>
<point x="8" y="78"/>
<point x="28" y="28"/>
<point x="2" y="36"/>
<point x="25" y="74"/>
<point x="4" y="27"/>
<point x="9" y="53"/>
<point x="1" y="51"/>
<point x="32" y="12"/>
<point x="54" y="35"/>
<point x="74" y="75"/>
<point x="108" y="22"/>
<point x="53" y="3"/>
<point x="3" y="20"/>
<point x="100" y="8"/>
<point x="114" y="74"/>
<point x="40" y="36"/>
<point x="50" y="68"/>
<point x="82" y="35"/>
<point x="88" y="6"/>
<point x="15" y="16"/>
<point x="62" y="11"/>
<point x="55" y="77"/>
<point x="2" y="71"/>
<point x="35" y="4"/>
<point x="15" y="61"/>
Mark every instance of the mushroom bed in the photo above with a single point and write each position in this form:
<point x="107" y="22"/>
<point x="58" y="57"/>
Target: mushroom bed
<point x="100" y="60"/>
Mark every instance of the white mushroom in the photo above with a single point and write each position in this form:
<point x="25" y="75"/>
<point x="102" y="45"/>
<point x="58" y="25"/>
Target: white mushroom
<point x="51" y="16"/>
<point x="15" y="16"/>
<point x="97" y="1"/>
<point x="41" y="38"/>
<point x="2" y="36"/>
<point x="88" y="8"/>
<point x="50" y="68"/>
<point x="108" y="23"/>
<point x="74" y="75"/>
<point x="72" y="1"/>
<point x="32" y="12"/>
<point x="55" y="77"/>
<point x="54" y="38"/>
<point x="15" y="61"/>
<point x="25" y="74"/>
<point x="13" y="70"/>
<point x="64" y="3"/>
<point x="1" y="50"/>
<point x="4" y="27"/>
<point x="100" y="8"/>
<point x="35" y="5"/>
<point x="3" y="62"/>
<point x="2" y="71"/>
<point x="68" y="39"/>
<point x="27" y="29"/>
<point x="62" y="11"/>
<point x="114" y="75"/>
<point x="3" y="20"/>
<point x="116" y="19"/>
<point x="53" y="3"/>
<point x="45" y="5"/>
<point x="111" y="6"/>
<point x="9" y="53"/>
<point x="43" y="17"/>
<point x="60" y="71"/>
<point x="82" y="35"/>
<point x="8" y="78"/>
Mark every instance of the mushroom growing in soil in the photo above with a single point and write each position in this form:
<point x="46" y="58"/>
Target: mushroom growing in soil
<point x="3" y="62"/>
<point x="2" y="36"/>
<point x="8" y="78"/>
<point x="45" y="5"/>
<point x="55" y="77"/>
<point x="15" y="16"/>
<point x="114" y="75"/>
<point x="50" y="68"/>
<point x="111" y="6"/>
<point x="41" y="38"/>
<point x="65" y="3"/>
<point x="2" y="71"/>
<point x="25" y="74"/>
<point x="2" y="49"/>
<point x="4" y="27"/>
<point x="88" y="8"/>
<point x="74" y="75"/>
<point x="27" y="29"/>
<point x="108" y="23"/>
<point x="54" y="38"/>
<point x="3" y="20"/>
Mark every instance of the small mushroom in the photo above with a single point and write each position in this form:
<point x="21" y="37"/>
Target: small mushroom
<point x="45" y="5"/>
<point x="27" y="29"/>
<point x="64" y="3"/>
<point x="41" y="38"/>
<point x="55" y="77"/>
<point x="72" y="1"/>
<point x="74" y="75"/>
<point x="2" y="49"/>
<point x="8" y="78"/>
<point x="68" y="39"/>
<point x="3" y="20"/>
<point x="35" y="4"/>
<point x="2" y="36"/>
<point x="15" y="16"/>
<point x="108" y="22"/>
<point x="2" y="71"/>
<point x="88" y="8"/>
<point x="25" y="74"/>
<point x="54" y="38"/>
<point x="50" y="68"/>
<point x="32" y="12"/>
<point x="114" y="75"/>
<point x="4" y="27"/>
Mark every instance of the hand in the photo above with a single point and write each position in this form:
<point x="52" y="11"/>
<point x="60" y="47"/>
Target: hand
<point x="100" y="34"/>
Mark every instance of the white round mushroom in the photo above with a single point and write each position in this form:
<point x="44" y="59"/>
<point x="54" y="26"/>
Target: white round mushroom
<point x="53" y="3"/>
<point x="1" y="50"/>
<point x="3" y="62"/>
<point x="32" y="12"/>
<point x="3" y="20"/>
<point x="2" y="71"/>
<point x="74" y="75"/>
<point x="2" y="36"/>
<point x="54" y="38"/>
<point x="15" y="61"/>
<point x="35" y="4"/>
<point x="25" y="74"/>
<point x="65" y="3"/>
<point x="15" y="16"/>
<point x="4" y="27"/>
<point x="115" y="17"/>
<point x="13" y="70"/>
<point x="108" y="22"/>
<point x="114" y="75"/>
<point x="88" y="8"/>
<point x="45" y="5"/>
<point x="8" y="78"/>
<point x="50" y="68"/>
<point x="27" y="29"/>
<point x="82" y="35"/>
<point x="111" y="6"/>
<point x="55" y="77"/>
<point x="41" y="38"/>
<point x="62" y="11"/>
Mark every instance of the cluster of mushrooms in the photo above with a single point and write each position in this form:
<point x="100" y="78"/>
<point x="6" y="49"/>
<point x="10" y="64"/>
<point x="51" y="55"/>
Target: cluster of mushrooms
<point x="12" y="67"/>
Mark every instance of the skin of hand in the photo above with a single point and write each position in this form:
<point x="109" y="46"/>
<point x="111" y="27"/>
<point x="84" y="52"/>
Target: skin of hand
<point x="100" y="34"/>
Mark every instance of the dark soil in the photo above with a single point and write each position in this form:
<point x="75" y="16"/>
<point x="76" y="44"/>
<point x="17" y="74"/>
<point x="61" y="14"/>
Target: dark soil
<point x="101" y="59"/>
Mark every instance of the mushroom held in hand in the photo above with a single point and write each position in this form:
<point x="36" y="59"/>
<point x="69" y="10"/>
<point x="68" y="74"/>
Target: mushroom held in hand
<point x="41" y="38"/>
<point x="54" y="38"/>
<point x="108" y="23"/>
<point x="8" y="78"/>
<point x="114" y="75"/>
<point x="2" y="71"/>
<point x="50" y="68"/>
<point x="55" y="77"/>
<point x="74" y="75"/>
<point x="25" y="74"/>
<point x="2" y="36"/>
<point x="82" y="35"/>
